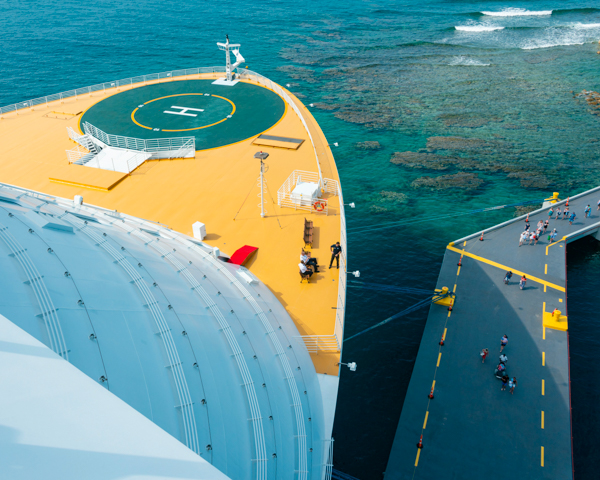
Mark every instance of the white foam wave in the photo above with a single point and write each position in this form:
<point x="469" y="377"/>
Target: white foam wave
<point x="478" y="28"/>
<point x="585" y="26"/>
<point x="467" y="62"/>
<point x="550" y="45"/>
<point x="517" y="12"/>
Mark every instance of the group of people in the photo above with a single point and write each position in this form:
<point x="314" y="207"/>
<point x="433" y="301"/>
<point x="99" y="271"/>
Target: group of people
<point x="567" y="214"/>
<point x="500" y="371"/>
<point x="533" y="236"/>
<point x="309" y="265"/>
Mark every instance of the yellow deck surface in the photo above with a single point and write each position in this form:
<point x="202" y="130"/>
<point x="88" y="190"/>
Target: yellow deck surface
<point x="81" y="176"/>
<point x="212" y="188"/>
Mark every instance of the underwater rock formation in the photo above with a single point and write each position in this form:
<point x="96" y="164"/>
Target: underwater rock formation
<point x="462" y="181"/>
<point x="368" y="145"/>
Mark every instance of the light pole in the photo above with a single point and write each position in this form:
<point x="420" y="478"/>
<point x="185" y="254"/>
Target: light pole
<point x="262" y="156"/>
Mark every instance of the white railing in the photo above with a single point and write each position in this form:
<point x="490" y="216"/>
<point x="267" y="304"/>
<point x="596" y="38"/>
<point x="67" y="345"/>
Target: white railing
<point x="320" y="343"/>
<point x="329" y="463"/>
<point x="77" y="153"/>
<point x="154" y="77"/>
<point x="159" y="147"/>
<point x="249" y="74"/>
<point x="285" y="198"/>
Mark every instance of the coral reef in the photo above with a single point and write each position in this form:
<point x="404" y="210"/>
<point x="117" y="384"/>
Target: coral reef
<point x="368" y="145"/>
<point x="462" y="181"/>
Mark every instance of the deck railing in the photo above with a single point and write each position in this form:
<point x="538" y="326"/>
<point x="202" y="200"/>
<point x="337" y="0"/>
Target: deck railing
<point x="159" y="147"/>
<point x="145" y="79"/>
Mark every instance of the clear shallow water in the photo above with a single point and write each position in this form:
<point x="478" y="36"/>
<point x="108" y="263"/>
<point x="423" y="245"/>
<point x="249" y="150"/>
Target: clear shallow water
<point x="400" y="74"/>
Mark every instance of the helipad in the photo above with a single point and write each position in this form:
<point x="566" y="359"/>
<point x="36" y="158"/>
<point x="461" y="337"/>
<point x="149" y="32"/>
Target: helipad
<point x="216" y="115"/>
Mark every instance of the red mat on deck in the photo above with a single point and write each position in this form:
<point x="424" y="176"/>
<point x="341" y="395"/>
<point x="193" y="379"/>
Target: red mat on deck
<point x="241" y="255"/>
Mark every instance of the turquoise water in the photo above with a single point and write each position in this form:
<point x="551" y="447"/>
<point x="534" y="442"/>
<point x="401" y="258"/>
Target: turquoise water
<point x="407" y="75"/>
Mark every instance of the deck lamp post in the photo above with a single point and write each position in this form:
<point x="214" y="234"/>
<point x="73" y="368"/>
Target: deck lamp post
<point x="262" y="156"/>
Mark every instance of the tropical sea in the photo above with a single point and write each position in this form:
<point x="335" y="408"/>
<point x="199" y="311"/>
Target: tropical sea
<point x="440" y="108"/>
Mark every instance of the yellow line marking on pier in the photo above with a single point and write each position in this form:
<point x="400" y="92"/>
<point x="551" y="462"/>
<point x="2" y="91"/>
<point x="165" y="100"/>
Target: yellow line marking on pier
<point x="427" y="416"/>
<point x="505" y="268"/>
<point x="438" y="362"/>
<point x="543" y="359"/>
<point x="542" y="456"/>
<point x="560" y="300"/>
<point x="544" y="335"/>
<point x="546" y="269"/>
<point x="419" y="454"/>
<point x="543" y="385"/>
<point x="548" y="246"/>
<point x="465" y="243"/>
<point x="458" y="272"/>
<point x="542" y="419"/>
<point x="444" y="336"/>
<point x="433" y="384"/>
<point x="454" y="289"/>
<point x="449" y="313"/>
<point x="544" y="288"/>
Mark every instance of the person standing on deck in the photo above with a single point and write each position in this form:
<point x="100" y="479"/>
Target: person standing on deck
<point x="546" y="225"/>
<point x="507" y="277"/>
<point x="553" y="235"/>
<point x="598" y="204"/>
<point x="522" y="282"/>
<point x="336" y="250"/>
<point x="557" y="213"/>
<point x="504" y="382"/>
<point x="531" y="237"/>
<point x="588" y="211"/>
<point x="503" y="342"/>
<point x="550" y="212"/>
<point x="512" y="383"/>
<point x="571" y="218"/>
<point x="566" y="213"/>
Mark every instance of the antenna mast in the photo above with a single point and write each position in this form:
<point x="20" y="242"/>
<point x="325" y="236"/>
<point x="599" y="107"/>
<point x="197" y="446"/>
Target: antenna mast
<point x="229" y="68"/>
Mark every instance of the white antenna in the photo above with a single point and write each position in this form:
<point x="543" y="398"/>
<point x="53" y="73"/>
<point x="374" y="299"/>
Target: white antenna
<point x="229" y="68"/>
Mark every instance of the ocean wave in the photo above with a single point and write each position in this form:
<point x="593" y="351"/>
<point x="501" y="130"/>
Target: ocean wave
<point x="550" y="44"/>
<point x="478" y="28"/>
<point x="584" y="26"/>
<point x="517" y="12"/>
<point x="463" y="61"/>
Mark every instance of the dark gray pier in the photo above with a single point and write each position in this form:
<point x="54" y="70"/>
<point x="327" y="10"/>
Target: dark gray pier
<point x="471" y="429"/>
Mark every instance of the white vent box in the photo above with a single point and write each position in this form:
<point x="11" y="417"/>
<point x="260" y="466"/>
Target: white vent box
<point x="199" y="230"/>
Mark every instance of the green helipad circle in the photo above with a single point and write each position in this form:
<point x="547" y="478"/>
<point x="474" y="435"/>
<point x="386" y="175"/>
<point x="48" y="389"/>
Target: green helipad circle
<point x="216" y="115"/>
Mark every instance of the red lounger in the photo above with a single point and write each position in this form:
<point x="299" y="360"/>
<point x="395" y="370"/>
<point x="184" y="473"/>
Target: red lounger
<point x="241" y="255"/>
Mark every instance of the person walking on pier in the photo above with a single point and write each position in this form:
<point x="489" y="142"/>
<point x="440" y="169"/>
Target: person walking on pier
<point x="522" y="282"/>
<point x="532" y="237"/>
<point x="504" y="381"/>
<point x="553" y="235"/>
<point x="523" y="238"/>
<point x="336" y="249"/>
<point x="557" y="213"/>
<point x="512" y="383"/>
<point x="508" y="276"/>
<point x="572" y="217"/>
<point x="566" y="213"/>
<point x="503" y="342"/>
<point x="550" y="212"/>
<point x="588" y="211"/>
<point x="484" y="354"/>
<point x="546" y="225"/>
<point x="598" y="204"/>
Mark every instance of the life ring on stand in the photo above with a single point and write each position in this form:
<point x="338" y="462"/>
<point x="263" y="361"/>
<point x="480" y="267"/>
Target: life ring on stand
<point x="319" y="205"/>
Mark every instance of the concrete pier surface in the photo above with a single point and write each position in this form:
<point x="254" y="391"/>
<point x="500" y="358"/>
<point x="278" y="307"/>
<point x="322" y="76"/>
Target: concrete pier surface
<point x="470" y="428"/>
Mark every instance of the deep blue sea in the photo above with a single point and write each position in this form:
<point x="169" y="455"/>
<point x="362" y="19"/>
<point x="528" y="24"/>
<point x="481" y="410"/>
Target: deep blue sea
<point x="439" y="107"/>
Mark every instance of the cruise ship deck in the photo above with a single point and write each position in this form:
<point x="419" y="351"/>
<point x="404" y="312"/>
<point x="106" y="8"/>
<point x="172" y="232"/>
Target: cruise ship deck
<point x="470" y="428"/>
<point x="218" y="187"/>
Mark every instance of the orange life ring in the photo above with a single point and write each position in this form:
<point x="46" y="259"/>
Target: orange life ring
<point x="319" y="205"/>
